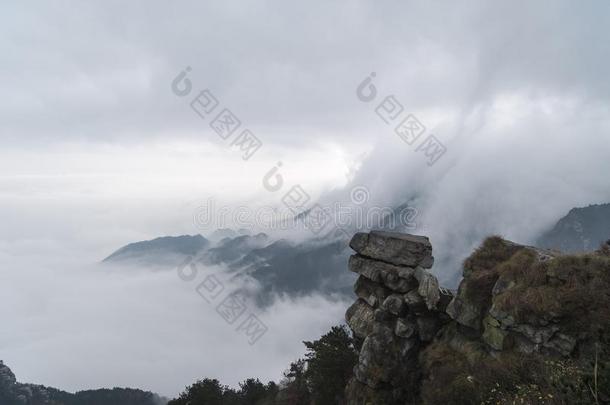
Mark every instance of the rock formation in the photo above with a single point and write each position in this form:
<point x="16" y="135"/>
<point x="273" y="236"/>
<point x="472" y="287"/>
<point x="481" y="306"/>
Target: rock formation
<point x="399" y="309"/>
<point x="518" y="309"/>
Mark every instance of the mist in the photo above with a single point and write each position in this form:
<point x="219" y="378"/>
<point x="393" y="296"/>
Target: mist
<point x="98" y="152"/>
<point x="79" y="325"/>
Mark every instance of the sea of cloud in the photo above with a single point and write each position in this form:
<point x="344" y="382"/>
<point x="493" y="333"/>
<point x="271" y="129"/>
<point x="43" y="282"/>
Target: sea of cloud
<point x="70" y="323"/>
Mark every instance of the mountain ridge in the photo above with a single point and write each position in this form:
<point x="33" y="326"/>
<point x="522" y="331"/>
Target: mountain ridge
<point x="582" y="229"/>
<point x="13" y="392"/>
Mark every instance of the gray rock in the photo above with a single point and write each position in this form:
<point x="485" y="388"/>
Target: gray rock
<point x="360" y="317"/>
<point x="395" y="248"/>
<point x="405" y="328"/>
<point x="427" y="327"/>
<point x="493" y="335"/>
<point x="561" y="343"/>
<point x="445" y="299"/>
<point x="383" y="273"/>
<point x="392" y="360"/>
<point x="428" y="287"/>
<point x="394" y="304"/>
<point x="464" y="313"/>
<point x="537" y="335"/>
<point x="408" y="273"/>
<point x="375" y="362"/>
<point x="384" y="358"/>
<point x="505" y="319"/>
<point x="373" y="293"/>
<point x="414" y="301"/>
<point x="382" y="316"/>
<point x="408" y="347"/>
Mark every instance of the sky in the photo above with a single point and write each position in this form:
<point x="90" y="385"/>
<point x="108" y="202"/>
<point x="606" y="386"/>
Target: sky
<point x="98" y="150"/>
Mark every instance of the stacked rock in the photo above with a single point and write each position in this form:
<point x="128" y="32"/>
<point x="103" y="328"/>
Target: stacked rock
<point x="399" y="309"/>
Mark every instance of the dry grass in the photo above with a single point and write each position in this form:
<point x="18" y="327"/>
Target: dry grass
<point x="492" y="252"/>
<point x="572" y="289"/>
<point x="509" y="379"/>
<point x="481" y="269"/>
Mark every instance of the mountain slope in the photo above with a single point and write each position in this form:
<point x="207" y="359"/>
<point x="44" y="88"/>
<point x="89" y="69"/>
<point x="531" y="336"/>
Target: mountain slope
<point x="15" y="393"/>
<point x="581" y="230"/>
<point x="279" y="266"/>
<point x="159" y="248"/>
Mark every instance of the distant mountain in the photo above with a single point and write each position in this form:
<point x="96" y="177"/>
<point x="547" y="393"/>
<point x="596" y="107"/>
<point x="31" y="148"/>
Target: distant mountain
<point x="222" y="233"/>
<point x="15" y="393"/>
<point x="295" y="269"/>
<point x="581" y="230"/>
<point x="280" y="266"/>
<point x="229" y="250"/>
<point x="159" y="249"/>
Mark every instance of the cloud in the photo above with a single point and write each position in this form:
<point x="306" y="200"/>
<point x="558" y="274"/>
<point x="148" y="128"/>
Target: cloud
<point x="101" y="71"/>
<point x="98" y="152"/>
<point x="513" y="167"/>
<point x="75" y="326"/>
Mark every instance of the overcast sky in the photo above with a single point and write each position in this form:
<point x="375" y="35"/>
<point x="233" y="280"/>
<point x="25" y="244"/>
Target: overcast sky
<point x="97" y="151"/>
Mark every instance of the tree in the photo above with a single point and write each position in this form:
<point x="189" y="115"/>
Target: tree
<point x="296" y="391"/>
<point x="319" y="378"/>
<point x="330" y="362"/>
<point x="211" y="392"/>
<point x="254" y="392"/>
<point x="203" y="392"/>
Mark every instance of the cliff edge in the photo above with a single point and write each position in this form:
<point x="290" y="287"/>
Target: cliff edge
<point x="525" y="326"/>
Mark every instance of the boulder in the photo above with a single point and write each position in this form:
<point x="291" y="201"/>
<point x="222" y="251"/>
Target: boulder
<point x="405" y="328"/>
<point x="360" y="317"/>
<point x="394" y="304"/>
<point x="395" y="248"/>
<point x="384" y="358"/>
<point x="465" y="313"/>
<point x="374" y="294"/>
<point x="415" y="302"/>
<point x="493" y="335"/>
<point x="428" y="287"/>
<point x="427" y="327"/>
<point x="393" y="277"/>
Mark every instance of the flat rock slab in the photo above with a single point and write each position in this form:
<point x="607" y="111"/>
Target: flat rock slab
<point x="395" y="248"/>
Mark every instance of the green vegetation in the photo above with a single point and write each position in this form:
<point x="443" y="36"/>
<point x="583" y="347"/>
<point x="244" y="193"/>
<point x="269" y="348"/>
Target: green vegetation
<point x="318" y="378"/>
<point x="212" y="392"/>
<point x="123" y="396"/>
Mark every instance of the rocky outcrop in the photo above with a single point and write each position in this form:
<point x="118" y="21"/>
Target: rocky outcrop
<point x="395" y="248"/>
<point x="418" y="339"/>
<point x="399" y="308"/>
